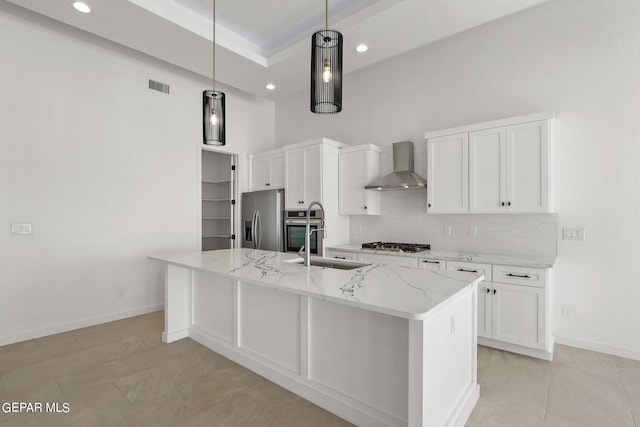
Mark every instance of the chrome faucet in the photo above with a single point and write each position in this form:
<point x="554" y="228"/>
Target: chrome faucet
<point x="307" y="234"/>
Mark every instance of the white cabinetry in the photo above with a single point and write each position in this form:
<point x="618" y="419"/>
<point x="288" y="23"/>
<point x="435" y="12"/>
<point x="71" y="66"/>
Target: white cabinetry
<point x="432" y="264"/>
<point x="357" y="166"/>
<point x="388" y="259"/>
<point x="493" y="167"/>
<point x="303" y="176"/>
<point x="509" y="169"/>
<point x="267" y="170"/>
<point x="513" y="309"/>
<point x="447" y="174"/>
<point x="332" y="253"/>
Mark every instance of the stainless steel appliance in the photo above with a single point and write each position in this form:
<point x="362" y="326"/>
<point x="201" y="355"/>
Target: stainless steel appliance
<point x="396" y="247"/>
<point x="262" y="220"/>
<point x="403" y="177"/>
<point x="295" y="225"/>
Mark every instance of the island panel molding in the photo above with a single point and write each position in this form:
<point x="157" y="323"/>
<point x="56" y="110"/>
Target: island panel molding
<point x="361" y="343"/>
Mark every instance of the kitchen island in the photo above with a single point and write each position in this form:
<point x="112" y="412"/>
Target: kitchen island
<point x="377" y="345"/>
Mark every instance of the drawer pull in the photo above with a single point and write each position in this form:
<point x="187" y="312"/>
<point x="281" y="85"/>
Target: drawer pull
<point x="467" y="271"/>
<point x="494" y="291"/>
<point x="488" y="290"/>
<point x="430" y="262"/>
<point x="521" y="276"/>
<point x="339" y="257"/>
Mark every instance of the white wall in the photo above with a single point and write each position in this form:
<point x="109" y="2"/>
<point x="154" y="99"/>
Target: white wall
<point x="104" y="169"/>
<point x="579" y="58"/>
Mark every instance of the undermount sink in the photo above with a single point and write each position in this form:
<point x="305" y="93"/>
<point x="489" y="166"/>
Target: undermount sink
<point x="330" y="263"/>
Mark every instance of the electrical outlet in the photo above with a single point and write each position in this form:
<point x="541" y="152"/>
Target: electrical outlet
<point x="121" y="293"/>
<point x="17" y="229"/>
<point x="473" y="230"/>
<point x="447" y="230"/>
<point x="573" y="233"/>
<point x="567" y="311"/>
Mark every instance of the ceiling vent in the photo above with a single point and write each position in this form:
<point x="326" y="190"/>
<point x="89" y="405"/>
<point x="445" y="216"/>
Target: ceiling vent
<point x="159" y="86"/>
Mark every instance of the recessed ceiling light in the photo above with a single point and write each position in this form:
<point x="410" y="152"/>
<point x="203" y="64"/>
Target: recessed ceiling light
<point x="270" y="86"/>
<point x="361" y="48"/>
<point x="82" y="7"/>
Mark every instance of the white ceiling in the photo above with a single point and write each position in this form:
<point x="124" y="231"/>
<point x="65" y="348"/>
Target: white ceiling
<point x="260" y="42"/>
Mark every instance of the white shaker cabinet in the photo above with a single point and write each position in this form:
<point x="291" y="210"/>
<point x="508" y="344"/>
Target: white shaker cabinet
<point x="509" y="169"/>
<point x="311" y="174"/>
<point x="302" y="176"/>
<point x="504" y="169"/>
<point x="388" y="259"/>
<point x="358" y="166"/>
<point x="447" y="174"/>
<point x="267" y="170"/>
<point x="527" y="177"/>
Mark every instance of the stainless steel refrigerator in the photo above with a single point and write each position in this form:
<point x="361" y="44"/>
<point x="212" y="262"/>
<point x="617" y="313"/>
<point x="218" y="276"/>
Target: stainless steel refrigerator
<point x="262" y="225"/>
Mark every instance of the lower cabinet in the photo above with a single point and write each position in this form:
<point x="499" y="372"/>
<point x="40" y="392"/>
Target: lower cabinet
<point x="515" y="316"/>
<point x="389" y="259"/>
<point x="332" y="253"/>
<point x="513" y="302"/>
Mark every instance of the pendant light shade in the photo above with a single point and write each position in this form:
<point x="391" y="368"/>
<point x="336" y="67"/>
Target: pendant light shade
<point x="213" y="117"/>
<point x="326" y="69"/>
<point x="213" y="108"/>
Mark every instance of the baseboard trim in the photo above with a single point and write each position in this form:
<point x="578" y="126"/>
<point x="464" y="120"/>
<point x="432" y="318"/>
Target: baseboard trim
<point x="599" y="347"/>
<point x="77" y="324"/>
<point x="532" y="352"/>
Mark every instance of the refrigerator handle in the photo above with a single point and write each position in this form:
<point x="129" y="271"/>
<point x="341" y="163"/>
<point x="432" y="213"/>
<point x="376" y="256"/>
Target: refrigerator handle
<point x="258" y="229"/>
<point x="253" y="229"/>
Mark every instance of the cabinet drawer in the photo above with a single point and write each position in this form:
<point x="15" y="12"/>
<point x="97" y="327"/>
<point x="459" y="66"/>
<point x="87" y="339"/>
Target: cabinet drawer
<point x="432" y="264"/>
<point x="389" y="259"/>
<point x="341" y="254"/>
<point x="520" y="275"/>
<point x="472" y="267"/>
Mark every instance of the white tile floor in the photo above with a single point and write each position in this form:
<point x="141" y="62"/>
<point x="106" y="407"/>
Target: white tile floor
<point x="121" y="374"/>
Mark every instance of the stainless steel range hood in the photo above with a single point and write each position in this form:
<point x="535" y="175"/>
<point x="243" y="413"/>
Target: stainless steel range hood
<point x="403" y="177"/>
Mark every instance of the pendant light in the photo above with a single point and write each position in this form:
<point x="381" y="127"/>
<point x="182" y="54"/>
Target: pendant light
<point x="213" y="103"/>
<point x="326" y="69"/>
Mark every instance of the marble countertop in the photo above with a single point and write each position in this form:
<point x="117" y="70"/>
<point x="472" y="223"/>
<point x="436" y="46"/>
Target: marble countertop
<point x="511" y="260"/>
<point x="395" y="290"/>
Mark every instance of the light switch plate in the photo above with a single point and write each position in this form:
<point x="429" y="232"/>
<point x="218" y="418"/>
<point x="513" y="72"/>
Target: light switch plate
<point x="573" y="233"/>
<point x="18" y="229"/>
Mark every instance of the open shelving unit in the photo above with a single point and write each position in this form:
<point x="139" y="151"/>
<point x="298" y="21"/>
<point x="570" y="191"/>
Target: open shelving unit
<point x="218" y="200"/>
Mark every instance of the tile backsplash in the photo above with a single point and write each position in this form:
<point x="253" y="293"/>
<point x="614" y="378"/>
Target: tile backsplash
<point x="404" y="219"/>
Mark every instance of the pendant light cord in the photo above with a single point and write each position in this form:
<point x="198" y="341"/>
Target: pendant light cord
<point x="214" y="45"/>
<point x="326" y="14"/>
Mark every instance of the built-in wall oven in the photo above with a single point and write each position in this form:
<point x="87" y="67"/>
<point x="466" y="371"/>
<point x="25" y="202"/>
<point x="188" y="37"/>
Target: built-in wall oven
<point x="295" y="223"/>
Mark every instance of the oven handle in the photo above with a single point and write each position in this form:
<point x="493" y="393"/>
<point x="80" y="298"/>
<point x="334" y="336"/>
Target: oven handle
<point x="303" y="222"/>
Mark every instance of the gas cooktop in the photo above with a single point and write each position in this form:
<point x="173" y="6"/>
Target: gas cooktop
<point x="396" y="247"/>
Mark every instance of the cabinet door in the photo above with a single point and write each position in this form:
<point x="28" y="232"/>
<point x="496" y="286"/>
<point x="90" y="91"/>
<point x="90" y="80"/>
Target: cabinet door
<point x="448" y="174"/>
<point x="312" y="173"/>
<point x="293" y="173"/>
<point x="259" y="173"/>
<point x="388" y="259"/>
<point x="432" y="264"/>
<point x="276" y="172"/>
<point x="527" y="160"/>
<point x="484" y="309"/>
<point x="518" y="315"/>
<point x="352" y="173"/>
<point x="487" y="170"/>
<point x="332" y="253"/>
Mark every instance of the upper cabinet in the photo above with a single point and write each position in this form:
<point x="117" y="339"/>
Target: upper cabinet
<point x="267" y="170"/>
<point x="309" y="168"/>
<point x="357" y="167"/>
<point x="448" y="174"/>
<point x="495" y="167"/>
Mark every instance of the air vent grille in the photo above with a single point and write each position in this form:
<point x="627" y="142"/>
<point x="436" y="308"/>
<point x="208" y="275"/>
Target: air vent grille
<point x="159" y="86"/>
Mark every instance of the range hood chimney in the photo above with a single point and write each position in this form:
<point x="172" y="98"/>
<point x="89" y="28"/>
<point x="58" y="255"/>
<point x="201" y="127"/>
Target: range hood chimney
<point x="403" y="177"/>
